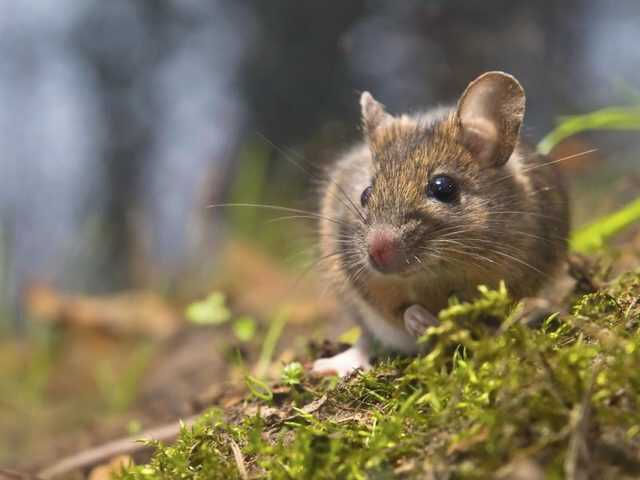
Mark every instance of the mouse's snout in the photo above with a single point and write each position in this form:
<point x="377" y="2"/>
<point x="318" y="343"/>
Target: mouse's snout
<point x="384" y="248"/>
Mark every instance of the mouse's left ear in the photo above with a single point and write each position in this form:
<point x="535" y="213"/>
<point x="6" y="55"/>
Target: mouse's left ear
<point x="490" y="114"/>
<point x="374" y="115"/>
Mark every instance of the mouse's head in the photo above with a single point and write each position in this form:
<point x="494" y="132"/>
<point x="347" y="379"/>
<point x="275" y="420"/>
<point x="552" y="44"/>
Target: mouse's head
<point x="437" y="179"/>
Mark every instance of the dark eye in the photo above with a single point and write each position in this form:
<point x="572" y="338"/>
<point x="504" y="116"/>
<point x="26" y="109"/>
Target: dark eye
<point x="442" y="188"/>
<point x="364" y="198"/>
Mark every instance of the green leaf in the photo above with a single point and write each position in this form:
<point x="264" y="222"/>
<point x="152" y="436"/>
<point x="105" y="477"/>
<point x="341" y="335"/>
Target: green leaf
<point x="258" y="388"/>
<point x="244" y="328"/>
<point x="292" y="373"/>
<point x="134" y="426"/>
<point x="210" y="311"/>
<point x="351" y="336"/>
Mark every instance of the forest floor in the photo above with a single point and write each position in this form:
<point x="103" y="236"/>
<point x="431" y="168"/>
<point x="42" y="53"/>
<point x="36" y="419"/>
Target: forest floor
<point x="558" y="400"/>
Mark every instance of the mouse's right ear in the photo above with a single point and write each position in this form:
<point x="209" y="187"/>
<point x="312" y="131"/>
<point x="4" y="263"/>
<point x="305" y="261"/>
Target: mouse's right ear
<point x="489" y="115"/>
<point x="373" y="114"/>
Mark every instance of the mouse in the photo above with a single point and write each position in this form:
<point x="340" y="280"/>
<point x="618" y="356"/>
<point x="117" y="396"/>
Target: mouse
<point x="432" y="204"/>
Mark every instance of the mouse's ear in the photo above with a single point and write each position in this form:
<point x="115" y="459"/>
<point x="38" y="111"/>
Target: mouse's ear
<point x="490" y="113"/>
<point x="373" y="114"/>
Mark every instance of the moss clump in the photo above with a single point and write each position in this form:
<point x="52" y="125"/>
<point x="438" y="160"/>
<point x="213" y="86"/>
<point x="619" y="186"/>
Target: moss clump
<point x="562" y="400"/>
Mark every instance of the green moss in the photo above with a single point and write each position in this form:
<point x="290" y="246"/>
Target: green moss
<point x="564" y="397"/>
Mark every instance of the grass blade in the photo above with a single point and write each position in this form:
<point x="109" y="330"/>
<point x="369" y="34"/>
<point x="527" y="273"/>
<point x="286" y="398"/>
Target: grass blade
<point x="592" y="236"/>
<point x="610" y="118"/>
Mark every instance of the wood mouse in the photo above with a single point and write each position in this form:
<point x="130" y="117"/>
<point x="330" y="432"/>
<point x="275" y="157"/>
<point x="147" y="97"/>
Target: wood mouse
<point x="434" y="204"/>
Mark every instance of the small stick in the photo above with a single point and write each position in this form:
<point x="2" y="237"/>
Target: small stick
<point x="578" y="461"/>
<point x="239" y="459"/>
<point x="13" y="475"/>
<point x="102" y="453"/>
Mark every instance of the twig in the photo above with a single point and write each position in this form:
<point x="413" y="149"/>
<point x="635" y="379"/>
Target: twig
<point x="554" y="385"/>
<point x="631" y="305"/>
<point x="239" y="459"/>
<point x="100" y="454"/>
<point x="13" y="475"/>
<point x="578" y="460"/>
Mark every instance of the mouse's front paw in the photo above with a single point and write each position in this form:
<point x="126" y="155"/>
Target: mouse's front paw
<point x="533" y="311"/>
<point x="343" y="363"/>
<point x="417" y="319"/>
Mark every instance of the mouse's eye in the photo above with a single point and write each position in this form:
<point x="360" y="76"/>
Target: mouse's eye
<point x="364" y="198"/>
<point x="442" y="188"/>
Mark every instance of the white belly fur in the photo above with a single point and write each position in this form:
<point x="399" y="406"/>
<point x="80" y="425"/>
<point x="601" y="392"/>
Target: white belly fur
<point x="389" y="335"/>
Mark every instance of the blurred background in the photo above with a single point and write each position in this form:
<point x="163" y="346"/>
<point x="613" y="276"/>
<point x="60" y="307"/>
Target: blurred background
<point x="121" y="121"/>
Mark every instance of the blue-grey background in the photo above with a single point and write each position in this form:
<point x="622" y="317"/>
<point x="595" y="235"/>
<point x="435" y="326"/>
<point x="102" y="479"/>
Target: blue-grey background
<point x="121" y="120"/>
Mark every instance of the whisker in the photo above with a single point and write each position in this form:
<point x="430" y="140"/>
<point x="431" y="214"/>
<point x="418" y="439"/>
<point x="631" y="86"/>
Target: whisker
<point x="468" y="254"/>
<point x="315" y="264"/>
<point x="522" y="262"/>
<point x="291" y="217"/>
<point x="544" y="164"/>
<point x="524" y="212"/>
<point x="278" y="208"/>
<point x="287" y="156"/>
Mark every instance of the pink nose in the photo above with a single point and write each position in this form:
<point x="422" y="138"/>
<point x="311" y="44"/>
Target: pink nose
<point x="383" y="248"/>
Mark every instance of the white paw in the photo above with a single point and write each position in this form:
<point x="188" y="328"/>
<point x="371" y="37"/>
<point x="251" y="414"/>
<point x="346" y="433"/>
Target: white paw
<point x="343" y="363"/>
<point x="417" y="319"/>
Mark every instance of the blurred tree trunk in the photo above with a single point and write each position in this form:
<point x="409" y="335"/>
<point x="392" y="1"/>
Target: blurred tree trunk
<point x="123" y="70"/>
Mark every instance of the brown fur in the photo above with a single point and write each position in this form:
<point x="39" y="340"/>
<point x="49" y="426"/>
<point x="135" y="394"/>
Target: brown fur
<point x="510" y="223"/>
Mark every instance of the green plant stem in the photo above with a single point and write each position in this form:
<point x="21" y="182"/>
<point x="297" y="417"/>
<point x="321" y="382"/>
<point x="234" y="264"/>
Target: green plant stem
<point x="270" y="342"/>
